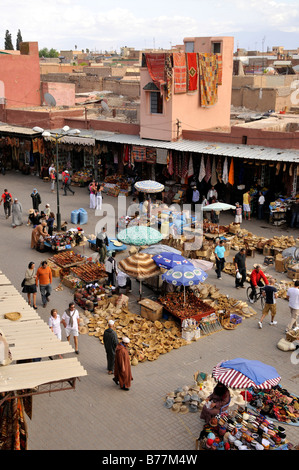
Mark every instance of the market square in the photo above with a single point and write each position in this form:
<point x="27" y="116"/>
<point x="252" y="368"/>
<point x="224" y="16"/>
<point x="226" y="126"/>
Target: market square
<point x="101" y="408"/>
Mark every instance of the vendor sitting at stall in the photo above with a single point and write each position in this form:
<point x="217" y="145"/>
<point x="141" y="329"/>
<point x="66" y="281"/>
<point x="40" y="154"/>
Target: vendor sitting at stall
<point x="219" y="398"/>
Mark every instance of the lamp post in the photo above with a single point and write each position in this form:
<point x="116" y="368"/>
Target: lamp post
<point x="65" y="131"/>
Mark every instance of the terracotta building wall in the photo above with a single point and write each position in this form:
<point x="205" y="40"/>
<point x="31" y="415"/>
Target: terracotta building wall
<point x="20" y="75"/>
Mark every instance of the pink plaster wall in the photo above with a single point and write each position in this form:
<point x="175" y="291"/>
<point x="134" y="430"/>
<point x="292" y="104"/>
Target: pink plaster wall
<point x="64" y="93"/>
<point x="186" y="107"/>
<point x="20" y="75"/>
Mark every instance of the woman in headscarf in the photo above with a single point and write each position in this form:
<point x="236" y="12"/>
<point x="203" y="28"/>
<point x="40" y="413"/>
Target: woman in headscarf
<point x="217" y="400"/>
<point x="16" y="213"/>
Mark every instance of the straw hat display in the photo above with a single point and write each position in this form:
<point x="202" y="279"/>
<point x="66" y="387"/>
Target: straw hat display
<point x="148" y="338"/>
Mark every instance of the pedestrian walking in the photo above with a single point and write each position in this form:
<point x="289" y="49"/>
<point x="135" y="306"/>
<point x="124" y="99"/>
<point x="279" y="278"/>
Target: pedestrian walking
<point x="54" y="323"/>
<point x="70" y="321"/>
<point x="52" y="180"/>
<point x="246" y="205"/>
<point x="111" y="269"/>
<point x="67" y="184"/>
<point x="122" y="366"/>
<point x="29" y="286"/>
<point x="260" y="206"/>
<point x="240" y="266"/>
<point x="44" y="279"/>
<point x="220" y="260"/>
<point x="101" y="243"/>
<point x="270" y="293"/>
<point x="238" y="214"/>
<point x="110" y="341"/>
<point x="36" y="199"/>
<point x="16" y="213"/>
<point x="92" y="194"/>
<point x="6" y="198"/>
<point x="293" y="298"/>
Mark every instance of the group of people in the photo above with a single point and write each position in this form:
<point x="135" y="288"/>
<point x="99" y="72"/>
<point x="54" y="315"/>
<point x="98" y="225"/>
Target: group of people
<point x="95" y="195"/>
<point x="118" y="358"/>
<point x="42" y="277"/>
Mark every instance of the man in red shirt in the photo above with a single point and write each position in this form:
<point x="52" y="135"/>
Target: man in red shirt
<point x="6" y="198"/>
<point x="256" y="278"/>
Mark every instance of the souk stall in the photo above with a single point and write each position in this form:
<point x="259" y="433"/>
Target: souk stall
<point x="82" y="177"/>
<point x="117" y="185"/>
<point x="65" y="240"/>
<point x="279" y="210"/>
<point x="113" y="245"/>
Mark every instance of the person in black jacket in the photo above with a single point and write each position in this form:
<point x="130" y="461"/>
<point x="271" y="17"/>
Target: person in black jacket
<point x="240" y="265"/>
<point x="36" y="199"/>
<point x="110" y="340"/>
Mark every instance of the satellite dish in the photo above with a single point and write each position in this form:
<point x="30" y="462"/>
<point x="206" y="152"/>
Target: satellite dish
<point x="49" y="99"/>
<point x="105" y="106"/>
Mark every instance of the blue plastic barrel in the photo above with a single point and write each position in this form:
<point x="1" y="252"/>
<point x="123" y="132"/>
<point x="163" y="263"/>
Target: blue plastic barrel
<point x="83" y="217"/>
<point x="75" y="217"/>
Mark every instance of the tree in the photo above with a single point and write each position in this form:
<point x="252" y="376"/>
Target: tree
<point x="8" y="42"/>
<point x="19" y="40"/>
<point x="45" y="52"/>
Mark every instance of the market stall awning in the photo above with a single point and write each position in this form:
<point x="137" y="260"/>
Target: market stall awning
<point x="30" y="337"/>
<point x="85" y="141"/>
<point x="254" y="152"/>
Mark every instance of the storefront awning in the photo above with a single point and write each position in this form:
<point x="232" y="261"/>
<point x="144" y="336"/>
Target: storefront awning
<point x="85" y="141"/>
<point x="29" y="337"/>
<point x="253" y="152"/>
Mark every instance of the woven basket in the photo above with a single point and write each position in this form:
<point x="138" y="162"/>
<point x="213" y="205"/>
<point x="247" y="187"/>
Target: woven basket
<point x="13" y="316"/>
<point x="292" y="336"/>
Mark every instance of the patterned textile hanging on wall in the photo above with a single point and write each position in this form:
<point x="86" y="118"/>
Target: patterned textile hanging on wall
<point x="179" y="72"/>
<point x="192" y="71"/>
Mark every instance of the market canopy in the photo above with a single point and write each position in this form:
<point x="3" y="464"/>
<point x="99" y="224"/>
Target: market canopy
<point x="140" y="266"/>
<point x="29" y="337"/>
<point x="170" y="260"/>
<point x="184" y="275"/>
<point x="139" y="235"/>
<point x="246" y="373"/>
<point x="218" y="207"/>
<point x="149" y="186"/>
<point x="156" y="249"/>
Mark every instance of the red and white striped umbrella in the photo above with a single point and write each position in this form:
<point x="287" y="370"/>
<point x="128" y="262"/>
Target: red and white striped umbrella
<point x="233" y="378"/>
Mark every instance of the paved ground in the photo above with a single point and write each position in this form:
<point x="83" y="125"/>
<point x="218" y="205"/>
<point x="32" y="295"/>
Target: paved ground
<point x="98" y="415"/>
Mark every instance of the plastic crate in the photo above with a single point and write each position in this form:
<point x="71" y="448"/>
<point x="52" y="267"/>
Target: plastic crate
<point x="236" y="318"/>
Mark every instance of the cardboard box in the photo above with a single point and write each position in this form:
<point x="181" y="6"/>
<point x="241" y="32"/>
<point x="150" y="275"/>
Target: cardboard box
<point x="151" y="310"/>
<point x="293" y="272"/>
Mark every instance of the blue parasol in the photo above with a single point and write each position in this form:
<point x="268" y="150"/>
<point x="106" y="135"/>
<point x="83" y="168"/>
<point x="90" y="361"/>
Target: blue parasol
<point x="184" y="275"/>
<point x="171" y="260"/>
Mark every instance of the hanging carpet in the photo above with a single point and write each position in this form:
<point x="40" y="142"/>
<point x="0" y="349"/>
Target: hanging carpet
<point x="192" y="70"/>
<point x="179" y="72"/>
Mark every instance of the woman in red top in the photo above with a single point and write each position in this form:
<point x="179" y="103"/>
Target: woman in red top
<point x="256" y="278"/>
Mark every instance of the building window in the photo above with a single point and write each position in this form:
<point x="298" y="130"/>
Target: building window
<point x="216" y="47"/>
<point x="156" y="102"/>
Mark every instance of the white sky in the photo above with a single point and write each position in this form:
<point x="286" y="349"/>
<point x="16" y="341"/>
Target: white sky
<point x="108" y="25"/>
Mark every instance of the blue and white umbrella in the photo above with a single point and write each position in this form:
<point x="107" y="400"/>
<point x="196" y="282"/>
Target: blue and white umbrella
<point x="171" y="260"/>
<point x="184" y="275"/>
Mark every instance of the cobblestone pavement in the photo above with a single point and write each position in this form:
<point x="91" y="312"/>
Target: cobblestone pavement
<point x="97" y="415"/>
